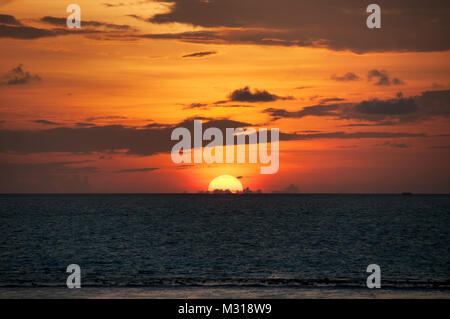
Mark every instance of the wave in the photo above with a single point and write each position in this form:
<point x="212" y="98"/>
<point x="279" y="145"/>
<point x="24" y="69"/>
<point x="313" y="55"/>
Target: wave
<point x="240" y="282"/>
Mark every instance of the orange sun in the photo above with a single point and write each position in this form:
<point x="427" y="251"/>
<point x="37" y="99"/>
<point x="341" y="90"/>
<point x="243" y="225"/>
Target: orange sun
<point x="225" y="182"/>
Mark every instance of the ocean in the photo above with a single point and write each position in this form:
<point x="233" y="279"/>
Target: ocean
<point x="224" y="246"/>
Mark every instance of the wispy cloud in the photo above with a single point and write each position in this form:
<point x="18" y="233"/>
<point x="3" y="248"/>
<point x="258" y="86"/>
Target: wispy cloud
<point x="348" y="77"/>
<point x="382" y="78"/>
<point x="428" y="105"/>
<point x="246" y="95"/>
<point x="45" y="122"/>
<point x="138" y="170"/>
<point x="199" y="54"/>
<point x="18" y="76"/>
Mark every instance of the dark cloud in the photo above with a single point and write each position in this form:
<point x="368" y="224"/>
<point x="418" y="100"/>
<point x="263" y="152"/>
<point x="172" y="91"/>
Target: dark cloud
<point x="338" y="24"/>
<point x="138" y="170"/>
<point x="291" y="189"/>
<point x="346" y="135"/>
<point x="196" y="106"/>
<point x="26" y="33"/>
<point x="389" y="107"/>
<point x="62" y="22"/>
<point x="437" y="86"/>
<point x="382" y="78"/>
<point x="141" y="141"/>
<point x="10" y="27"/>
<point x="18" y="76"/>
<point x="137" y="141"/>
<point x="315" y="110"/>
<point x="122" y="4"/>
<point x="348" y="77"/>
<point x="205" y="106"/>
<point x="31" y="33"/>
<point x="245" y="95"/>
<point x="331" y="99"/>
<point x="82" y="124"/>
<point x="386" y="123"/>
<point x="45" y="122"/>
<point x="435" y="103"/>
<point x="426" y="106"/>
<point x="199" y="54"/>
<point x="112" y="117"/>
<point x="157" y="125"/>
<point x="395" y="145"/>
<point x="8" y="19"/>
<point x="114" y="5"/>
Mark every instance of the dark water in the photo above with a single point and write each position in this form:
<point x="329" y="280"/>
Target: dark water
<point x="225" y="241"/>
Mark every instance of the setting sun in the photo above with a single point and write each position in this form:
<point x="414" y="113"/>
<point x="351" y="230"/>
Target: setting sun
<point x="225" y="182"/>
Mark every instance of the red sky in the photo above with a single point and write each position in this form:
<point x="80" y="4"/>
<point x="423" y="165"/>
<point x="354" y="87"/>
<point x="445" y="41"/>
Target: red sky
<point x="91" y="110"/>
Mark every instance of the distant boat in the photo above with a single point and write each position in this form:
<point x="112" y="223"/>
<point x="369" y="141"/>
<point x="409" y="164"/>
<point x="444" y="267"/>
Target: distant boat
<point x="406" y="193"/>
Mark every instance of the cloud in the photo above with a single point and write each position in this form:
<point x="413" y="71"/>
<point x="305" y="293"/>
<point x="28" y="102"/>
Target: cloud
<point x="331" y="99"/>
<point x="110" y="117"/>
<point x="45" y="122"/>
<point x="291" y="189"/>
<point x="114" y="5"/>
<point x="157" y="125"/>
<point x="428" y="105"/>
<point x="197" y="106"/>
<point x="382" y="78"/>
<point x="26" y="33"/>
<point x="395" y="145"/>
<point x="435" y="103"/>
<point x="8" y="19"/>
<point x="337" y="25"/>
<point x="348" y="77"/>
<point x="18" y="76"/>
<point x="138" y="170"/>
<point x="346" y="135"/>
<point x="199" y="54"/>
<point x="82" y="124"/>
<point x="136" y="141"/>
<point x="386" y="123"/>
<point x="245" y="95"/>
<point x="122" y="4"/>
<point x="206" y="106"/>
<point x="10" y="27"/>
<point x="142" y="141"/>
<point x="240" y="95"/>
<point x="437" y="86"/>
<point x="62" y="22"/>
<point x="399" y="106"/>
<point x="315" y="110"/>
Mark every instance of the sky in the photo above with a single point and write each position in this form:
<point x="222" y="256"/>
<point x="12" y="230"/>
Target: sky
<point x="92" y="109"/>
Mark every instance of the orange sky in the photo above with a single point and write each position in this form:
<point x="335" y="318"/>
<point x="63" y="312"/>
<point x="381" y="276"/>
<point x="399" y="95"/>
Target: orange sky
<point x="118" y="77"/>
